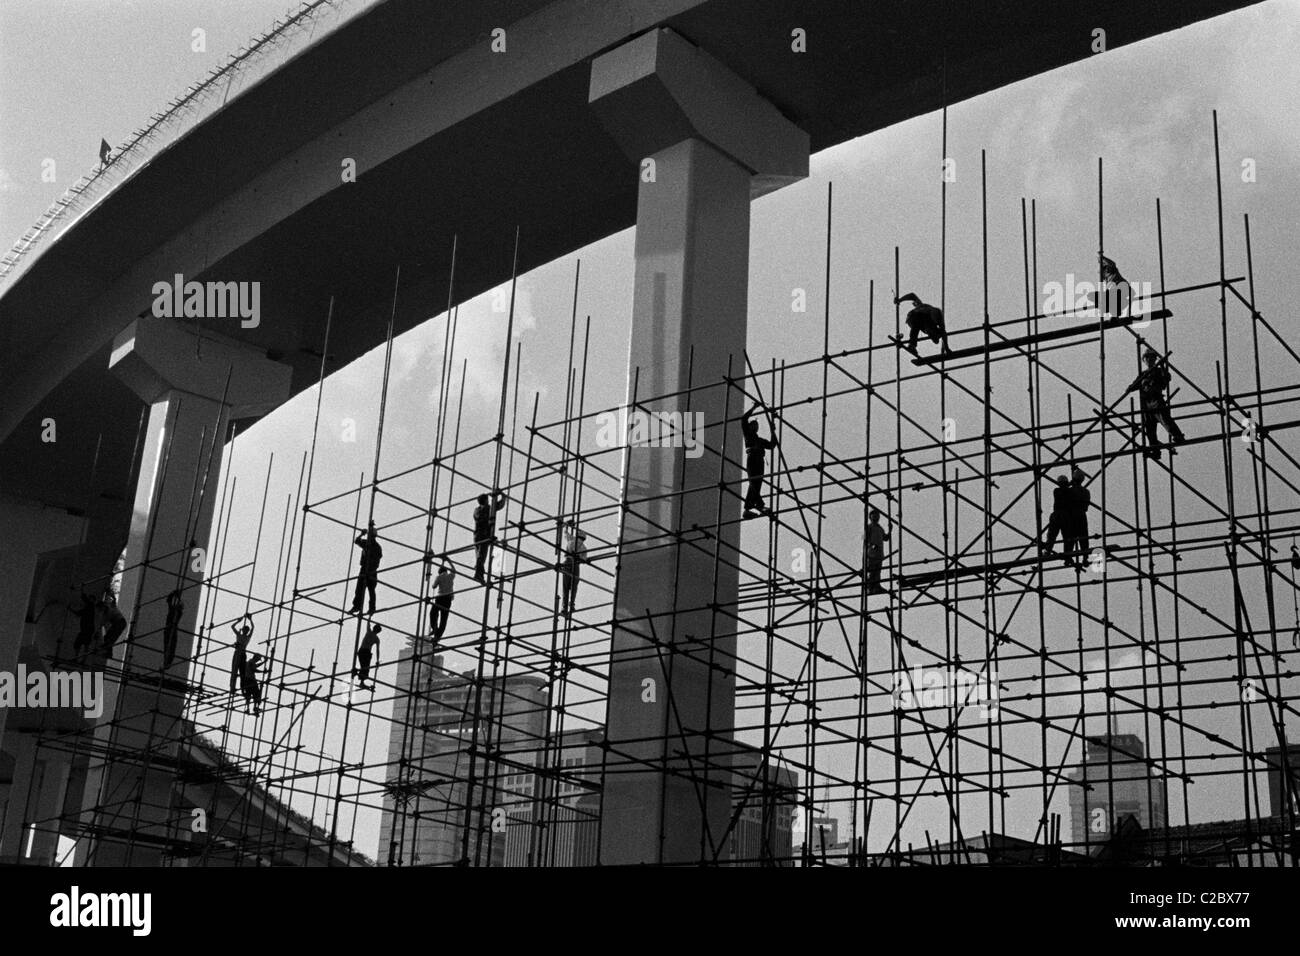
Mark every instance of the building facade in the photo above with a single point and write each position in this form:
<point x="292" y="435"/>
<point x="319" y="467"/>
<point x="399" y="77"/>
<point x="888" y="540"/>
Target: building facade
<point x="1113" y="782"/>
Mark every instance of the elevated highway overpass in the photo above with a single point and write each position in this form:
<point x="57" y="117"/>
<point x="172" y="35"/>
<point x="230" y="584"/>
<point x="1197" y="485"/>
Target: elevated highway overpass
<point x="451" y="135"/>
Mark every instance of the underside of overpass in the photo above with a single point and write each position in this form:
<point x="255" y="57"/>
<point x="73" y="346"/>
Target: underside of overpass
<point x="555" y="172"/>
<point x="453" y="139"/>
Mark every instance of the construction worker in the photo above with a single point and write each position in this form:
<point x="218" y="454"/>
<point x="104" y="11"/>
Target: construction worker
<point x="369" y="646"/>
<point x="1074" y="528"/>
<point x="249" y="683"/>
<point x="756" y="448"/>
<point x="114" y="622"/>
<point x="444" y="589"/>
<point x="876" y="536"/>
<point x="368" y="573"/>
<point x="1151" y="386"/>
<point x="923" y="320"/>
<point x="575" y="553"/>
<point x="1060" y="511"/>
<point x="89" y="621"/>
<point x="172" y="628"/>
<point x="1111" y="279"/>
<point x="485" y="523"/>
<point x="243" y="629"/>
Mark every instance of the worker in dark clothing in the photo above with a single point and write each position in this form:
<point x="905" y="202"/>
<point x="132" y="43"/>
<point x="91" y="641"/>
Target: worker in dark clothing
<point x="114" y="622"/>
<point x="368" y="573"/>
<point x="924" y="320"/>
<point x="365" y="653"/>
<point x="1295" y="558"/>
<point x="1116" y="290"/>
<point x="89" y="621"/>
<point x="876" y="536"/>
<point x="1075" y="527"/>
<point x="575" y="553"/>
<point x="1060" y="511"/>
<point x="250" y="684"/>
<point x="485" y="524"/>
<point x="243" y="629"/>
<point x="444" y="589"/>
<point x="1151" y="386"/>
<point x="756" y="448"/>
<point x="172" y="627"/>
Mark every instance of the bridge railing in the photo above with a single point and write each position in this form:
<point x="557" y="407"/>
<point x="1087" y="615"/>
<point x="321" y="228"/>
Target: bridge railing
<point x="263" y="55"/>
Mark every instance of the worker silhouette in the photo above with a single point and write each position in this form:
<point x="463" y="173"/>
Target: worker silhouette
<point x="250" y="683"/>
<point x="575" y="553"/>
<point x="485" y="523"/>
<point x="924" y="320"/>
<point x="114" y="622"/>
<point x="366" y="653"/>
<point x="1116" y="292"/>
<point x="1074" y="528"/>
<point x="444" y="590"/>
<point x="368" y="573"/>
<point x="756" y="449"/>
<point x="1060" y="512"/>
<point x="1295" y="559"/>
<point x="243" y="629"/>
<point x="172" y="627"/>
<point x="876" y="535"/>
<point x="90" y="618"/>
<point x="1151" y="386"/>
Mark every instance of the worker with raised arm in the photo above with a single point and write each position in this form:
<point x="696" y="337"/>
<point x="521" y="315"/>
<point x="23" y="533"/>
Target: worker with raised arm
<point x="368" y="574"/>
<point x="1151" y="385"/>
<point x="485" y="524"/>
<point x="243" y="629"/>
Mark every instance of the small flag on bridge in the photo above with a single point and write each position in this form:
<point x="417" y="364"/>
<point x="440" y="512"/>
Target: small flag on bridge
<point x="104" y="151"/>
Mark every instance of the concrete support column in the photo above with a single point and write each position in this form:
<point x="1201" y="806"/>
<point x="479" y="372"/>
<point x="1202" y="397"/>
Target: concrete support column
<point x="31" y="532"/>
<point x="29" y="789"/>
<point x="706" y="144"/>
<point x="194" y="387"/>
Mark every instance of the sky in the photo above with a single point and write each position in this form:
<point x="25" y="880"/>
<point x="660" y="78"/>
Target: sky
<point x="71" y="72"/>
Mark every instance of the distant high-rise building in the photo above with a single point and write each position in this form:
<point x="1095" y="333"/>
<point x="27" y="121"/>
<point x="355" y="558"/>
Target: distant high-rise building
<point x="537" y="798"/>
<point x="519" y="816"/>
<point x="764" y="797"/>
<point x="1279" y="794"/>
<point x="1113" y="782"/>
<point x="434" y="753"/>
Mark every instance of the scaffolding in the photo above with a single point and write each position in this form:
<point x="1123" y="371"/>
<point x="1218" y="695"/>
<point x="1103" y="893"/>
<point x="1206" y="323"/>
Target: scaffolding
<point x="486" y="747"/>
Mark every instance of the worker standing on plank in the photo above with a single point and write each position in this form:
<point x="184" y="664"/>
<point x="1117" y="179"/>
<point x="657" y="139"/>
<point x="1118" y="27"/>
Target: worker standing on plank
<point x="924" y="320"/>
<point x="1151" y="386"/>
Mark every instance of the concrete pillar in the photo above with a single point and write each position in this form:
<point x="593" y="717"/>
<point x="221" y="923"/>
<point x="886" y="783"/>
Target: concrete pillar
<point x="32" y="532"/>
<point x="29" y="603"/>
<point x="194" y="385"/>
<point x="706" y="143"/>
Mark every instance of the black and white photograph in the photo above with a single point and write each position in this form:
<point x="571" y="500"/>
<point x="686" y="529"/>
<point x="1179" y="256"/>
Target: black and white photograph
<point x="623" y="440"/>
